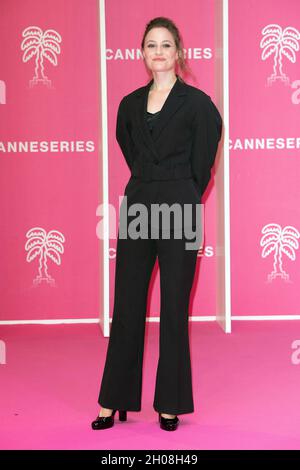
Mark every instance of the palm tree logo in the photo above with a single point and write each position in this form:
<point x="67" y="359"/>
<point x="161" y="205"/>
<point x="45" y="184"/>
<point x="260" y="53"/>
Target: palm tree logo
<point x="41" y="45"/>
<point x="279" y="43"/>
<point x="45" y="246"/>
<point x="278" y="240"/>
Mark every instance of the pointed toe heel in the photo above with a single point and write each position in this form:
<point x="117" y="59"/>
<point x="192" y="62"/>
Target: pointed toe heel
<point x="104" y="422"/>
<point x="168" y="424"/>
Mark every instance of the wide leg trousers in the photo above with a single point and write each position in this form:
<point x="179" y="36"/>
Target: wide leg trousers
<point x="121" y="386"/>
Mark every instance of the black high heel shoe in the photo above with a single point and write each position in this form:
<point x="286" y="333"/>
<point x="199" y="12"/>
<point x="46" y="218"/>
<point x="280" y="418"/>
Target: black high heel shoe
<point x="104" y="422"/>
<point x="168" y="424"/>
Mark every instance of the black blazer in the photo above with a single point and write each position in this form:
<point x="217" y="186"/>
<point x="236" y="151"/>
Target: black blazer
<point x="184" y="141"/>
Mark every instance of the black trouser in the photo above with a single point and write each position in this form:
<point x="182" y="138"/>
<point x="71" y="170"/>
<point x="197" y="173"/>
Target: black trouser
<point x="121" y="386"/>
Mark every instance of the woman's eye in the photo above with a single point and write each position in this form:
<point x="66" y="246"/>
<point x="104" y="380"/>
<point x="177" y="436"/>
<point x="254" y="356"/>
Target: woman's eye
<point x="165" y="45"/>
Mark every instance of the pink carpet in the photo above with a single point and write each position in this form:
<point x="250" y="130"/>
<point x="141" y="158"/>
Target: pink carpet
<point x="246" y="389"/>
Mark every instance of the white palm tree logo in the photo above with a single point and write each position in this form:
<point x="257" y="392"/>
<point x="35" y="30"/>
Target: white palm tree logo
<point x="44" y="245"/>
<point x="279" y="43"/>
<point x="278" y="240"/>
<point x="41" y="45"/>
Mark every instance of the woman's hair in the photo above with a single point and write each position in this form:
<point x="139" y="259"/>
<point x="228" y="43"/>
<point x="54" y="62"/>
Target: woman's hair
<point x="163" y="22"/>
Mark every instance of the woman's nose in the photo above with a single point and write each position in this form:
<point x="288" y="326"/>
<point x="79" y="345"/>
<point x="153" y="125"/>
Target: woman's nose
<point x="158" y="51"/>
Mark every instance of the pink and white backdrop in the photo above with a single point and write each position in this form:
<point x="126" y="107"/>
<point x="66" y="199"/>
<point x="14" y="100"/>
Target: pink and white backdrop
<point x="49" y="159"/>
<point x="264" y="78"/>
<point x="51" y="147"/>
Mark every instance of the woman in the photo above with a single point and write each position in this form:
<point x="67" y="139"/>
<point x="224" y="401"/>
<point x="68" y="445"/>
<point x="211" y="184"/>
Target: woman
<point x="168" y="132"/>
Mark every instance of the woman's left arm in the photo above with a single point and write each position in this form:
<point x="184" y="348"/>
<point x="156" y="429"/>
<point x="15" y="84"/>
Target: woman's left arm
<point x="207" y="132"/>
<point x="122" y="133"/>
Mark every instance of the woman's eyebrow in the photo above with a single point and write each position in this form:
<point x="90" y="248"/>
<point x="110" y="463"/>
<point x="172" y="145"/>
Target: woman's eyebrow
<point x="165" y="40"/>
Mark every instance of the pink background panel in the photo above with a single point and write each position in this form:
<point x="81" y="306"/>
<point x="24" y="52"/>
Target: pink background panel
<point x="52" y="190"/>
<point x="125" y="30"/>
<point x="265" y="183"/>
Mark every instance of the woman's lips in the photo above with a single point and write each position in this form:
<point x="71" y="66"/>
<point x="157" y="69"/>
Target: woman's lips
<point x="159" y="59"/>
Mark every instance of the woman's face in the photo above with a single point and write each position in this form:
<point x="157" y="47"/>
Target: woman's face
<point x="160" y="53"/>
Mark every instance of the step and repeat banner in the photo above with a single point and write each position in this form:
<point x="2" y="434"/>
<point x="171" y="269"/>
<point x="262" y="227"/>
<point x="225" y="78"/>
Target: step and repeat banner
<point x="49" y="159"/>
<point x="126" y="71"/>
<point x="50" y="150"/>
<point x="264" y="77"/>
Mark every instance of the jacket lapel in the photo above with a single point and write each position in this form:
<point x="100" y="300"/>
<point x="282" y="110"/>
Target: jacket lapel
<point x="174" y="101"/>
